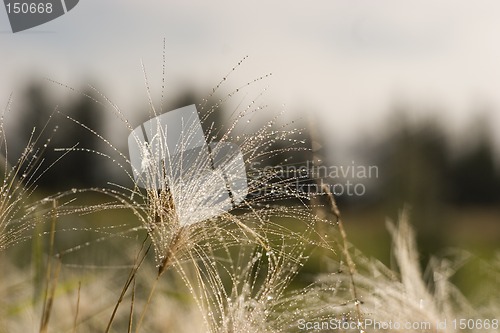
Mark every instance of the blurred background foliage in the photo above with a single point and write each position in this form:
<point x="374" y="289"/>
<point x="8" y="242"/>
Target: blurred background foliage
<point x="452" y="188"/>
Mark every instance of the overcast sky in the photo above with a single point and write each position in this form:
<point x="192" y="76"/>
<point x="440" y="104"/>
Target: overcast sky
<point x="346" y="62"/>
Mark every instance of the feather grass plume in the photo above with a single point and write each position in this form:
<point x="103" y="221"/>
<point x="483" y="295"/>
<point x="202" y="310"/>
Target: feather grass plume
<point x="402" y="299"/>
<point x="212" y="231"/>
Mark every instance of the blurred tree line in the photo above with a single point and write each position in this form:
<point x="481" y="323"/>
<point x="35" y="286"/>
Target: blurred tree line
<point x="33" y="110"/>
<point x="416" y="162"/>
<point x="421" y="167"/>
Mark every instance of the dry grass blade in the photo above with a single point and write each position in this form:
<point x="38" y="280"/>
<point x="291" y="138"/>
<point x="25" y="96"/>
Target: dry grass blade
<point x="51" y="276"/>
<point x="131" y="313"/>
<point x="345" y="250"/>
<point x="75" y="322"/>
<point x="48" y="304"/>
<point x="148" y="301"/>
<point x="131" y="277"/>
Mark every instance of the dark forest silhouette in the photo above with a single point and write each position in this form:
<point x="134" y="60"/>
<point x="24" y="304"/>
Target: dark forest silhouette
<point x="416" y="162"/>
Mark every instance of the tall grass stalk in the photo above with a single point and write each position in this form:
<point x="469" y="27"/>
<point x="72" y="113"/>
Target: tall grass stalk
<point x="131" y="278"/>
<point x="176" y="244"/>
<point x="75" y="322"/>
<point x="345" y="250"/>
<point x="52" y="275"/>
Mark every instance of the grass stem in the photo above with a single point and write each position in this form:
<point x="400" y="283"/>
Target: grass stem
<point x="345" y="249"/>
<point x="51" y="277"/>
<point x="138" y="262"/>
<point x="141" y="318"/>
<point x="77" y="307"/>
